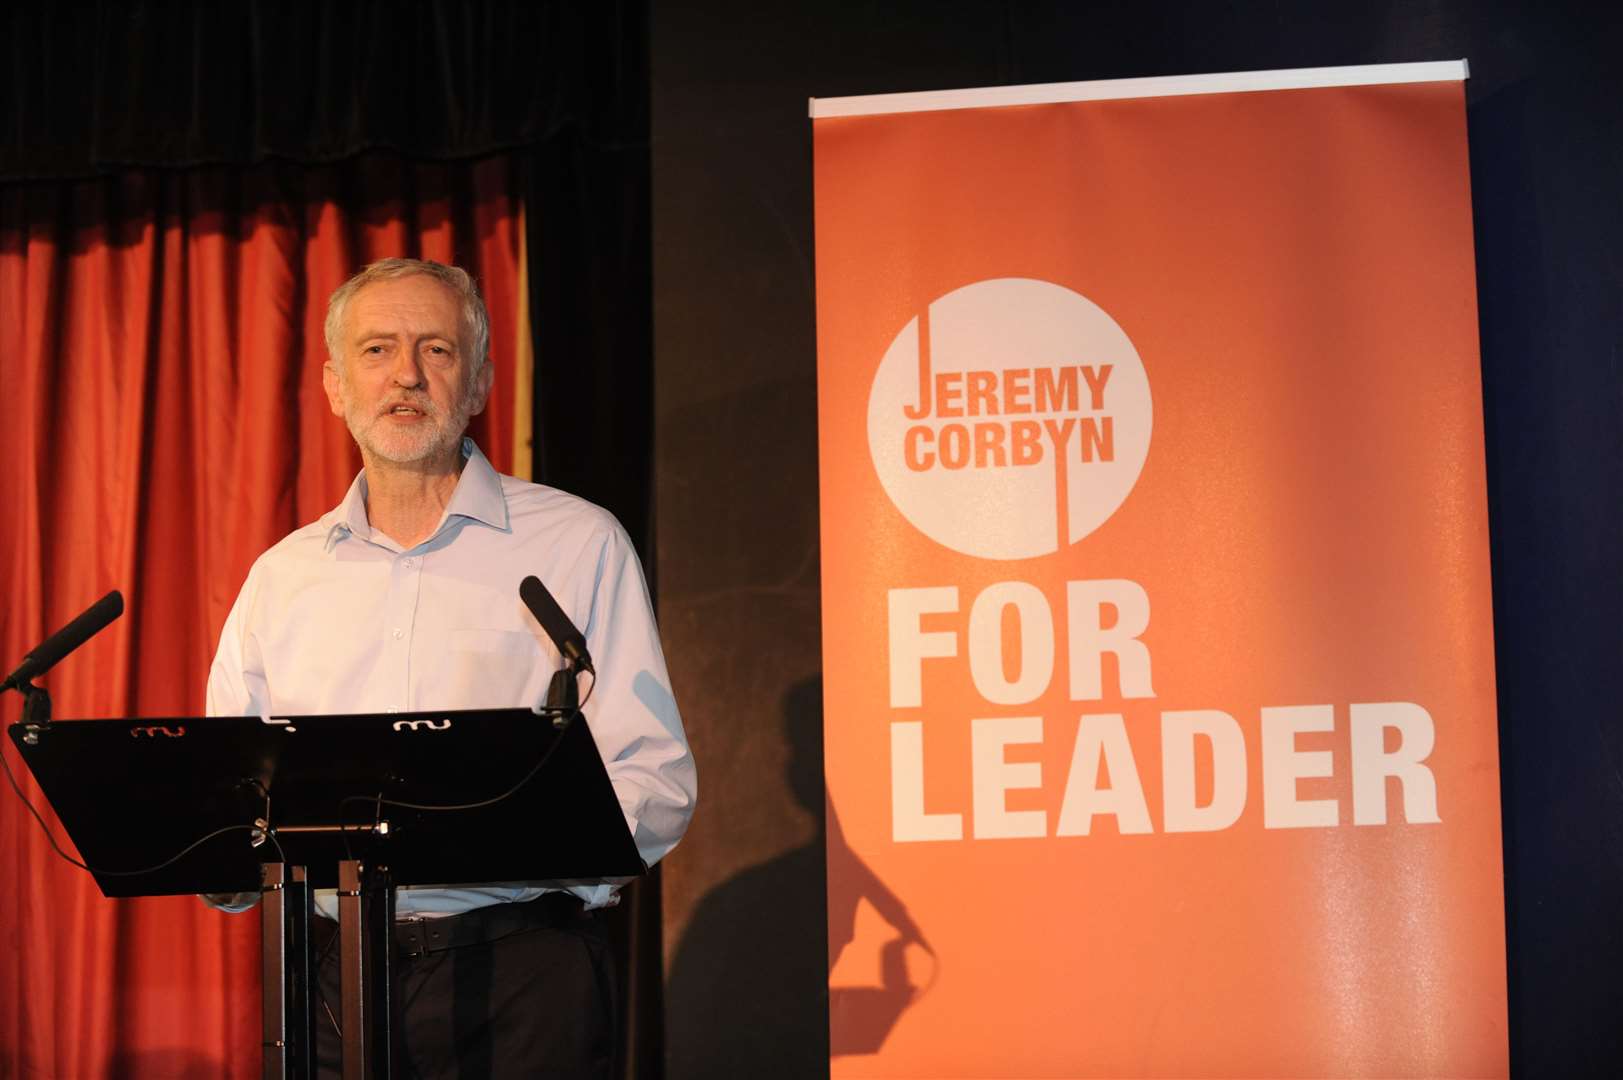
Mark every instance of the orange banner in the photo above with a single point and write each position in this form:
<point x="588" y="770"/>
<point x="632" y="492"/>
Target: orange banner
<point x="1158" y="656"/>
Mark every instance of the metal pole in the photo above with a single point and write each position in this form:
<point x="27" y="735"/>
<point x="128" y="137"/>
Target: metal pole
<point x="284" y="920"/>
<point x="273" y="970"/>
<point x="366" y="941"/>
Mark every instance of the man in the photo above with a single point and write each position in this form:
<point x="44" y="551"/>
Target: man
<point x="405" y="598"/>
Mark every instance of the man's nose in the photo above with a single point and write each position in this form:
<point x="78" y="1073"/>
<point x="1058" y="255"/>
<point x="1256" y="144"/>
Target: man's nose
<point x="407" y="370"/>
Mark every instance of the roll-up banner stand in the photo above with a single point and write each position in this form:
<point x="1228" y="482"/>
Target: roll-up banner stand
<point x="1158" y="655"/>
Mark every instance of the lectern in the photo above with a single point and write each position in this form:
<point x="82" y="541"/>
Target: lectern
<point x="357" y="803"/>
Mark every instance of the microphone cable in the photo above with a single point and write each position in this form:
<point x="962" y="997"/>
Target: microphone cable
<point x="380" y="801"/>
<point x="154" y="868"/>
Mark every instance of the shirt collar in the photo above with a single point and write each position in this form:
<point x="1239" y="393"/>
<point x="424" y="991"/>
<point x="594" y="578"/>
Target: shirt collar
<point x="478" y="495"/>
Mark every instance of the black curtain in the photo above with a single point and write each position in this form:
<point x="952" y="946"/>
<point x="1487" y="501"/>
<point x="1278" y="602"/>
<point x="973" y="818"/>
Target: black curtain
<point x="99" y="87"/>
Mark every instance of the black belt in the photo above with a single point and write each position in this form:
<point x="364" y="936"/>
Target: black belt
<point x="416" y="935"/>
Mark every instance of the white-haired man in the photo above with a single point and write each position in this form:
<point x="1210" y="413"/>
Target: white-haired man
<point x="405" y="598"/>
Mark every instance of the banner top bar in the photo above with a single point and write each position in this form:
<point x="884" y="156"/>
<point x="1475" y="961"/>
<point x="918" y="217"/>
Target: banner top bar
<point x="1160" y="86"/>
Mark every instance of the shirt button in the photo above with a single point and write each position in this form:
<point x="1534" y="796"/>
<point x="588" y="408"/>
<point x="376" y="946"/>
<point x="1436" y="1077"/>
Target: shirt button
<point x="410" y="561"/>
<point x="392" y="708"/>
<point x="399" y="633"/>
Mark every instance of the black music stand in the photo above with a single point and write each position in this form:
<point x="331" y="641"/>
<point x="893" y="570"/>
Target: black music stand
<point x="290" y="804"/>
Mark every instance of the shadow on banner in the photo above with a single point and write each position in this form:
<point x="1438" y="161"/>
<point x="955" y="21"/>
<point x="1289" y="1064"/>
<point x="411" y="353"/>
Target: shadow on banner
<point x="753" y="970"/>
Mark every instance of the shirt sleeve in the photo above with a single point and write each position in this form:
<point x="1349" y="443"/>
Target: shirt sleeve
<point x="632" y="712"/>
<point x="228" y="694"/>
<point x="236" y="681"/>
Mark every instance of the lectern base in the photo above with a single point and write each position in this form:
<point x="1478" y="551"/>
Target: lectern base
<point x="366" y="948"/>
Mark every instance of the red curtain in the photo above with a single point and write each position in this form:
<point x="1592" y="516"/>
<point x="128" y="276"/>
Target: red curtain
<point x="160" y="350"/>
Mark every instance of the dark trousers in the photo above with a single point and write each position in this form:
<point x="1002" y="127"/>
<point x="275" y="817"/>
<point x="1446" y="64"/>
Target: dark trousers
<point x="525" y="990"/>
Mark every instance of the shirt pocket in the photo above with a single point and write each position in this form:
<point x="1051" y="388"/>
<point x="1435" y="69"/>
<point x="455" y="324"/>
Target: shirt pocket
<point x="491" y="669"/>
<point x="495" y="642"/>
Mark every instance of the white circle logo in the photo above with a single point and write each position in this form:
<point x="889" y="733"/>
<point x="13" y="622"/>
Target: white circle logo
<point x="1010" y="419"/>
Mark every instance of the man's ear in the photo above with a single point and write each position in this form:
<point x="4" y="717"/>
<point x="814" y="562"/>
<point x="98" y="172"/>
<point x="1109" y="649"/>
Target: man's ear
<point x="329" y="383"/>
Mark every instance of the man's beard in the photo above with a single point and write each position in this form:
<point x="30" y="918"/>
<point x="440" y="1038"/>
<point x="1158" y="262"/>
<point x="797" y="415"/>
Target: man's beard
<point x="430" y="437"/>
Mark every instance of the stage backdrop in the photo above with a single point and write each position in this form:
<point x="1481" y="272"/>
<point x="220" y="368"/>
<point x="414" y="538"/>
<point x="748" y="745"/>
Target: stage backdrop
<point x="161" y="338"/>
<point x="1159" y="675"/>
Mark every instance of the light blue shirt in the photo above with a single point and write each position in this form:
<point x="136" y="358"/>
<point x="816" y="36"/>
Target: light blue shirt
<point x="337" y="618"/>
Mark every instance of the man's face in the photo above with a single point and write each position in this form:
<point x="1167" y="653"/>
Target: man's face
<point x="402" y="378"/>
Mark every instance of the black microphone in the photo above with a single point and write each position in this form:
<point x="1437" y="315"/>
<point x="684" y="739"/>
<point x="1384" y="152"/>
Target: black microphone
<point x="65" y="640"/>
<point x="563" y="633"/>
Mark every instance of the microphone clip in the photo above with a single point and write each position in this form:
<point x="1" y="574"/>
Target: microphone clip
<point x="562" y="702"/>
<point x="36" y="718"/>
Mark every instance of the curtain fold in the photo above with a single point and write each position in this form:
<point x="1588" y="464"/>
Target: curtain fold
<point x="160" y="334"/>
